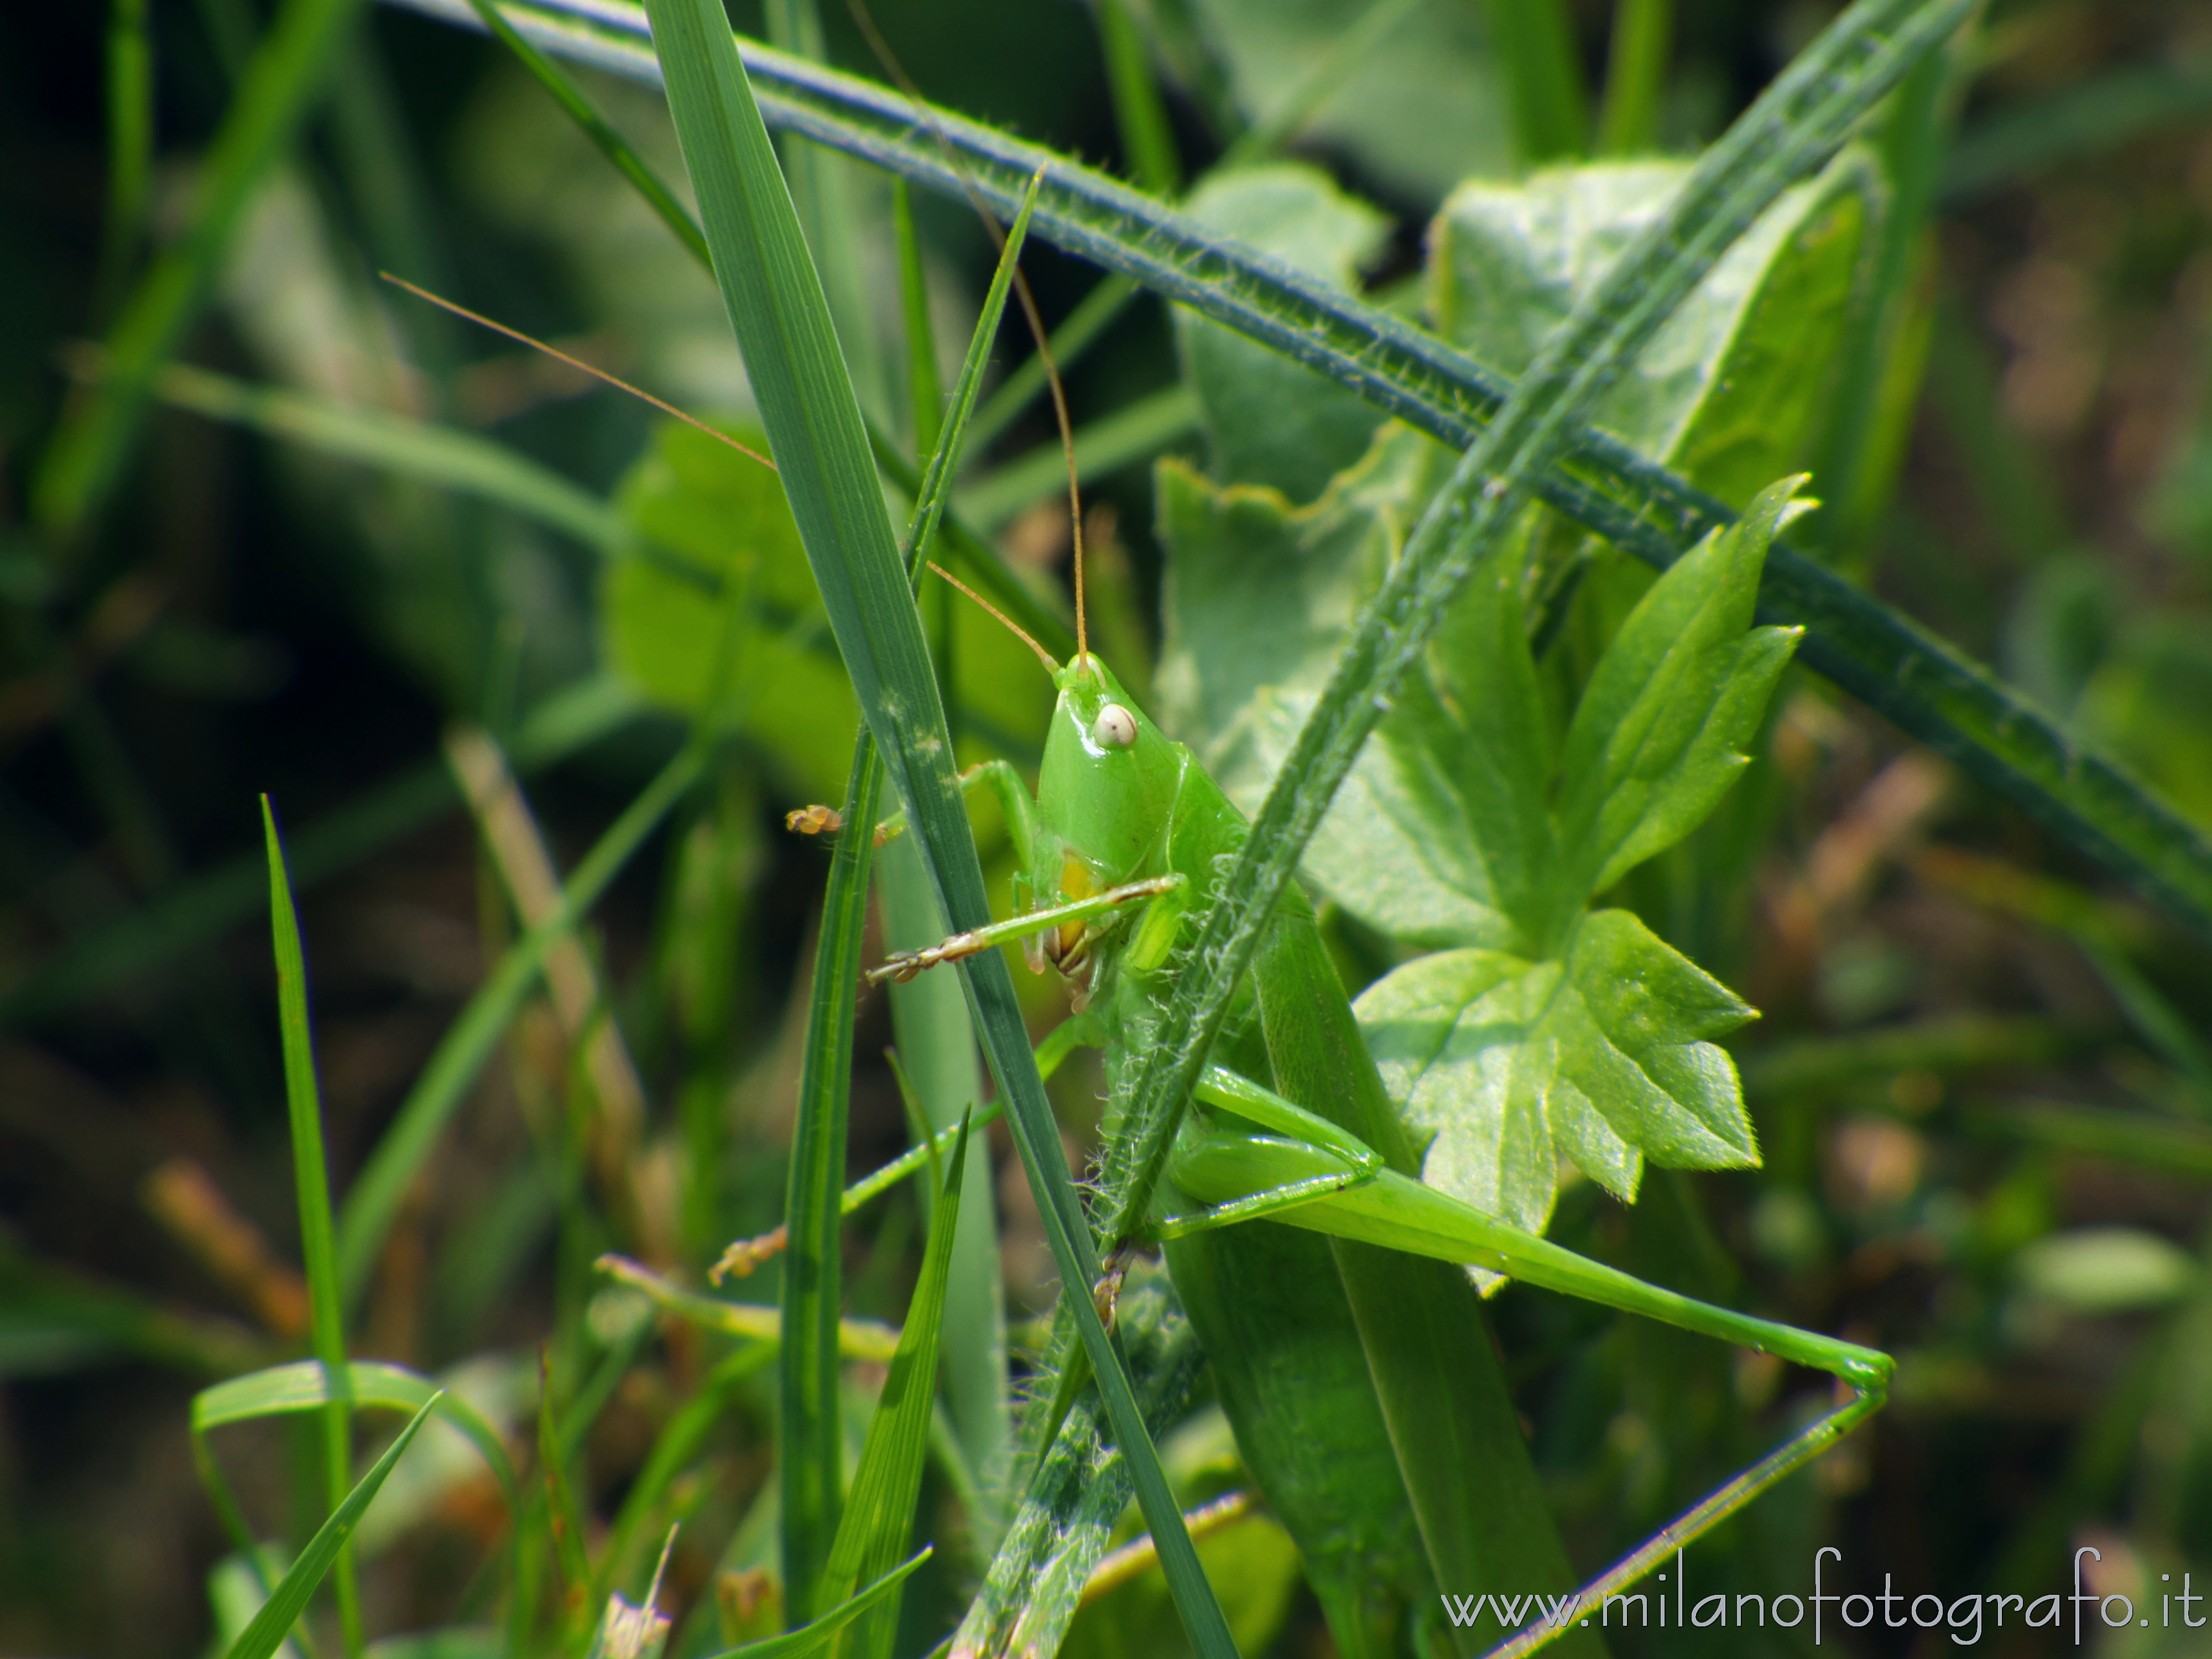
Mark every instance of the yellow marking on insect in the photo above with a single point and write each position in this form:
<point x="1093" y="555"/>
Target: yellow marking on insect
<point x="1075" y="884"/>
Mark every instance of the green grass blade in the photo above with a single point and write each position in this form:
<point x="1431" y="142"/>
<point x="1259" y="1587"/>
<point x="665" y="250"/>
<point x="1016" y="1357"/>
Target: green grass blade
<point x="1635" y="75"/>
<point x="445" y="1081"/>
<point x="1135" y="431"/>
<point x="817" y="1636"/>
<point x="925" y="395"/>
<point x="1093" y="314"/>
<point x="371" y="1385"/>
<point x="325" y="1308"/>
<point x="1801" y="120"/>
<point x="1140" y="115"/>
<point x="289" y="1599"/>
<point x="2096" y="116"/>
<point x="423" y="450"/>
<point x="673" y="1450"/>
<point x="1927" y="687"/>
<point x="810" y="1436"/>
<point x="879" y="1517"/>
<point x="783" y="324"/>
<point x="198" y="908"/>
<point x="1535" y="43"/>
<point x="130" y="144"/>
<point x="281" y="81"/>
<point x="611" y="145"/>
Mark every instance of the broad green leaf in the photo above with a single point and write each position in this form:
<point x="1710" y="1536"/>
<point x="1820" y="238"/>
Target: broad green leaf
<point x="289" y="1599"/>
<point x="1603" y="1057"/>
<point x="1424" y="108"/>
<point x="1269" y="420"/>
<point x="1662" y="726"/>
<point x="724" y="534"/>
<point x="1731" y="390"/>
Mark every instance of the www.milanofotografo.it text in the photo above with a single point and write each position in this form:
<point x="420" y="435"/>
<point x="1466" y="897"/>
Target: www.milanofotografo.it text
<point x="1964" y="1617"/>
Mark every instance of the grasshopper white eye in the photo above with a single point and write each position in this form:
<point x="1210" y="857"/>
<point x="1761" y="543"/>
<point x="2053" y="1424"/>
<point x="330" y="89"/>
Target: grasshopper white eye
<point x="1114" y="728"/>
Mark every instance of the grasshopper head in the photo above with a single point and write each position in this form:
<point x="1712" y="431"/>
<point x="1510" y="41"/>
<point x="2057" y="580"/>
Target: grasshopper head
<point x="1106" y="786"/>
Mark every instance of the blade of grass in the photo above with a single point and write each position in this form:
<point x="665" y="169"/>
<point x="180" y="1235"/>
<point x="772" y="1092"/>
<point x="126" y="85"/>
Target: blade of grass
<point x="611" y="145"/>
<point x="130" y="147"/>
<point x="1635" y="75"/>
<point x="2088" y="119"/>
<point x="781" y="321"/>
<point x="289" y="1599"/>
<point x="1140" y="115"/>
<point x="925" y="395"/>
<point x="1092" y="315"/>
<point x="879" y="1517"/>
<point x="1535" y="43"/>
<point x="673" y="1450"/>
<point x="861" y="1340"/>
<point x="367" y="1214"/>
<point x="1870" y="416"/>
<point x="446" y="456"/>
<point x="811" y="1431"/>
<point x="809" y="1436"/>
<point x="1320" y="82"/>
<point x="1135" y="431"/>
<point x="205" y="905"/>
<point x="370" y="1385"/>
<point x="325" y="1309"/>
<point x="1928" y="689"/>
<point x="281" y="81"/>
<point x="817" y="1636"/>
<point x="929" y="1021"/>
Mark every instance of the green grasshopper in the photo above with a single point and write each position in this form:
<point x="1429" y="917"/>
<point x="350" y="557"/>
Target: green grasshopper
<point x="1119" y="847"/>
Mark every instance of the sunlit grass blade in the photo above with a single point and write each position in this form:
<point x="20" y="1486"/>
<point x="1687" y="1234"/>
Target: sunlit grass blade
<point x="374" y="1200"/>
<point x="611" y="145"/>
<point x="393" y="444"/>
<point x="807" y="403"/>
<point x="281" y="81"/>
<point x="810" y="1440"/>
<point x="290" y="1598"/>
<point x="370" y="1385"/>
<point x="202" y="906"/>
<point x="326" y="1306"/>
<point x="1927" y="687"/>
<point x="811" y="1468"/>
<point x="879" y="1513"/>
<point x="865" y="1340"/>
<point x="814" y="1638"/>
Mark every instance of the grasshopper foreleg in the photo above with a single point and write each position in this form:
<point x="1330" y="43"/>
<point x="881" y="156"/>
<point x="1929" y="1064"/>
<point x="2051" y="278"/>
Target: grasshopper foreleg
<point x="906" y="963"/>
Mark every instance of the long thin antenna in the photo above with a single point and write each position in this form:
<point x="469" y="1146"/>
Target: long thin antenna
<point x="578" y="364"/>
<point x="1004" y="620"/>
<point x="896" y="71"/>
